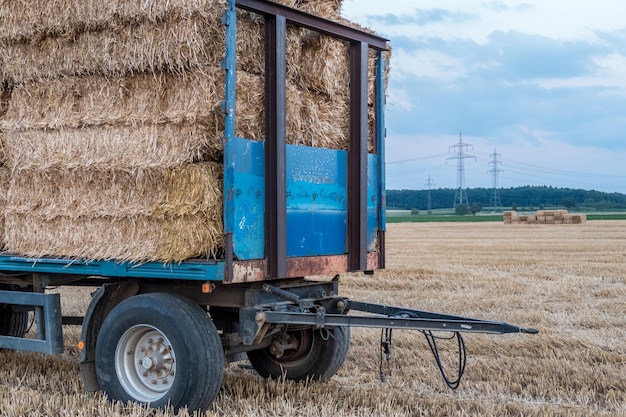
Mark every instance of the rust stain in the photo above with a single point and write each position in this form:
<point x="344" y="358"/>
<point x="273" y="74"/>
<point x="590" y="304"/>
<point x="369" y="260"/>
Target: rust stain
<point x="256" y="270"/>
<point x="316" y="265"/>
<point x="249" y="271"/>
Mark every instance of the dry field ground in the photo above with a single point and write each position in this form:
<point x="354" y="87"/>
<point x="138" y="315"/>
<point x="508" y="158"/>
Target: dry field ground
<point x="569" y="281"/>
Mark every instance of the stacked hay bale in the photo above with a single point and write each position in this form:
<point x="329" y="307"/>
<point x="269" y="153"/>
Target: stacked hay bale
<point x="112" y="128"/>
<point x="544" y="217"/>
<point x="510" y="217"/>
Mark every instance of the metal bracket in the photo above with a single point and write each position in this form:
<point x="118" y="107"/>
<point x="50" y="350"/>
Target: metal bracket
<point x="49" y="328"/>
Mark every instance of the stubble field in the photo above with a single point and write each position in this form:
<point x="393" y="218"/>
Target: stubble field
<point x="568" y="281"/>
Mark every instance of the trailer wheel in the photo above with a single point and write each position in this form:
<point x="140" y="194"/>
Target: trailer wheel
<point x="13" y="323"/>
<point x="162" y="350"/>
<point x="308" y="354"/>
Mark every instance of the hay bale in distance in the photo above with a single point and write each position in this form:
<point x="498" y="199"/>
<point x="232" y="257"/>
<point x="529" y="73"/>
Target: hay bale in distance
<point x="544" y="217"/>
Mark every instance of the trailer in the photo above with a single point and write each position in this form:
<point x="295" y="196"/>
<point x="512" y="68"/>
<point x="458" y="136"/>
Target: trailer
<point x="160" y="333"/>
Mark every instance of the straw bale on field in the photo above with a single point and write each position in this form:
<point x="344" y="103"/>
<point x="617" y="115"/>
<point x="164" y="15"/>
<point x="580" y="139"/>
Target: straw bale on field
<point x="509" y="216"/>
<point x="545" y="217"/>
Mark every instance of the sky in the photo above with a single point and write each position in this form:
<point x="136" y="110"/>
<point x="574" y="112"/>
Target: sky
<point x="536" y="89"/>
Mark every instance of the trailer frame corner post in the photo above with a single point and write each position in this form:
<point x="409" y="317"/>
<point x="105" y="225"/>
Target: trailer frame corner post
<point x="381" y="134"/>
<point x="49" y="323"/>
<point x="275" y="145"/>
<point x="229" y="64"/>
<point x="357" y="158"/>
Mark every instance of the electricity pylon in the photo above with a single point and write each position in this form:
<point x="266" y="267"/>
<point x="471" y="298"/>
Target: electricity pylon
<point x="495" y="194"/>
<point x="428" y="184"/>
<point x="460" y="195"/>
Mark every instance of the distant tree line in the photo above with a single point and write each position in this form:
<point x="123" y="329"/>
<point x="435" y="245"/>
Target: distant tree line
<point x="530" y="197"/>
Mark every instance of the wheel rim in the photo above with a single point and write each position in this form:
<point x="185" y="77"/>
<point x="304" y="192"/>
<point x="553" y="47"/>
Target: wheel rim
<point x="299" y="353"/>
<point x="145" y="363"/>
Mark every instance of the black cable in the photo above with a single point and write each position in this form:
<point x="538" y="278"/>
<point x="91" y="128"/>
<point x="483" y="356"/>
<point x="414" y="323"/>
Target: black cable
<point x="385" y="347"/>
<point x="434" y="348"/>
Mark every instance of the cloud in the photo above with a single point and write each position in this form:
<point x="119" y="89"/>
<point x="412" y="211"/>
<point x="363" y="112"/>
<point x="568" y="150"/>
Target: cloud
<point x="500" y="6"/>
<point x="541" y="81"/>
<point x="422" y="17"/>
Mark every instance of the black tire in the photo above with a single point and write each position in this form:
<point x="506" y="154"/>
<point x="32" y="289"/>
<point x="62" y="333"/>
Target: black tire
<point x="318" y="355"/>
<point x="13" y="323"/>
<point x="162" y="350"/>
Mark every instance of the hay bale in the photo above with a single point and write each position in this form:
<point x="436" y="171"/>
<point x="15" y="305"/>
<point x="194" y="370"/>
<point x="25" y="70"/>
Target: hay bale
<point x="146" y="120"/>
<point x="155" y="192"/>
<point x="106" y="147"/>
<point x="91" y="214"/>
<point x="95" y="100"/>
<point x="325" y="122"/>
<point x="324" y="65"/>
<point x="174" y="42"/>
<point x="328" y="9"/>
<point x="152" y="120"/>
<point x="137" y="239"/>
<point x="63" y="18"/>
<point x="171" y="45"/>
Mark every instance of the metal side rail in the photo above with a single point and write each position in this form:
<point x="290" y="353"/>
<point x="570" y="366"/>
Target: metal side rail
<point x="395" y="318"/>
<point x="47" y="309"/>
